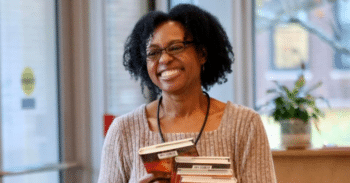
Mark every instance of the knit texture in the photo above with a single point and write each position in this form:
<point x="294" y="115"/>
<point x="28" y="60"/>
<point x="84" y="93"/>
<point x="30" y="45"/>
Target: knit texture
<point x="241" y="136"/>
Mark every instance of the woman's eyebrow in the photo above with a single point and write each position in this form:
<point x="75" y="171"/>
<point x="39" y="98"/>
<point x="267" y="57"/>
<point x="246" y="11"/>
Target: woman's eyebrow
<point x="169" y="43"/>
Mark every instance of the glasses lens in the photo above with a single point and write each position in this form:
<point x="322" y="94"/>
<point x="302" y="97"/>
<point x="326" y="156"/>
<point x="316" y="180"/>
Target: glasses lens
<point x="175" y="48"/>
<point x="153" y="54"/>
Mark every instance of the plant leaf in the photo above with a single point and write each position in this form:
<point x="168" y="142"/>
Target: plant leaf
<point x="313" y="87"/>
<point x="299" y="84"/>
<point x="302" y="114"/>
<point x="324" y="100"/>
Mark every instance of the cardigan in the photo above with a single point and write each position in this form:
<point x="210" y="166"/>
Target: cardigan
<point x="240" y="136"/>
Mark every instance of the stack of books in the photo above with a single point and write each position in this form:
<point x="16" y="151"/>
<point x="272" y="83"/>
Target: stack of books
<point x="180" y="160"/>
<point x="204" y="169"/>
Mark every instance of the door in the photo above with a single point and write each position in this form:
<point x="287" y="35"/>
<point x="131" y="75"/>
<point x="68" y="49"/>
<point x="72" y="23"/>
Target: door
<point x="29" y="91"/>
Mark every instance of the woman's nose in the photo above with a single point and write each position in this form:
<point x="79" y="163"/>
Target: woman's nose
<point x="165" y="57"/>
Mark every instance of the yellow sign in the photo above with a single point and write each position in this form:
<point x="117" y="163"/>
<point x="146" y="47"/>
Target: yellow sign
<point x="28" y="81"/>
<point x="292" y="46"/>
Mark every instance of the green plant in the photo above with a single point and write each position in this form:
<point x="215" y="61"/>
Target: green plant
<point x="295" y="103"/>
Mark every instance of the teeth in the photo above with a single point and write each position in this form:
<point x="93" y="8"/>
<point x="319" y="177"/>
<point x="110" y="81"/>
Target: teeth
<point x="168" y="74"/>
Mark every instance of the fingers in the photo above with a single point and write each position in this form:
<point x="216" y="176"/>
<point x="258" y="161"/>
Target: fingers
<point x="161" y="180"/>
<point x="147" y="178"/>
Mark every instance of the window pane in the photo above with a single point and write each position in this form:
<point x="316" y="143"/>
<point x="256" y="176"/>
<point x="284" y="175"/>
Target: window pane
<point x="288" y="34"/>
<point x="176" y="2"/>
<point x="29" y="107"/>
<point x="123" y="93"/>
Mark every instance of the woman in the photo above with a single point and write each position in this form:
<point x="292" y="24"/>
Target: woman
<point x="176" y="56"/>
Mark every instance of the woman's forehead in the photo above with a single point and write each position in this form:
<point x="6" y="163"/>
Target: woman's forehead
<point x="166" y="32"/>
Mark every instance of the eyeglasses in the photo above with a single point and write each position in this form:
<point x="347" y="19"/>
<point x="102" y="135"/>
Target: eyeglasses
<point x="173" y="49"/>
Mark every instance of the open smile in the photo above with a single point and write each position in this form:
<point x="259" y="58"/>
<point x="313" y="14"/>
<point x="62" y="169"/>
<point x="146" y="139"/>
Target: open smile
<point x="169" y="74"/>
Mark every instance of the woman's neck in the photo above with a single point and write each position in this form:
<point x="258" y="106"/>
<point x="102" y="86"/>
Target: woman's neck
<point x="183" y="105"/>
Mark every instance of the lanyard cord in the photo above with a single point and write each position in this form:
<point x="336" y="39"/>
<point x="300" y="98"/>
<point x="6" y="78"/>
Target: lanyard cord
<point x="200" y="132"/>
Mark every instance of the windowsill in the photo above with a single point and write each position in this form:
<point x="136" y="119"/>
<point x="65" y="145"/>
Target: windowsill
<point x="334" y="151"/>
<point x="340" y="74"/>
<point x="286" y="75"/>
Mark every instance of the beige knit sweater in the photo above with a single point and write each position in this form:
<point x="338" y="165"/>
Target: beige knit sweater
<point x="241" y="136"/>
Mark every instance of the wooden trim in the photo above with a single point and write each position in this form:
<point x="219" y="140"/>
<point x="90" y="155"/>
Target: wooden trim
<point x="315" y="165"/>
<point x="338" y="151"/>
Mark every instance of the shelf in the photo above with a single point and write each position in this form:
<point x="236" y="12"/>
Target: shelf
<point x="334" y="151"/>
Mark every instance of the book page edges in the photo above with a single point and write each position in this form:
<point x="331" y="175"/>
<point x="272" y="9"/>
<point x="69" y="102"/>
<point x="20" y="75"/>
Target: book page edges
<point x="166" y="146"/>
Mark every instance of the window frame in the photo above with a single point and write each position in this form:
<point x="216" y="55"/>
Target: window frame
<point x="337" y="55"/>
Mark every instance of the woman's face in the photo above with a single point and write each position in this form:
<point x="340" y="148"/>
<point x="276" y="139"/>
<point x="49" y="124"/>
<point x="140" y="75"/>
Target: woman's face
<point x="178" y="72"/>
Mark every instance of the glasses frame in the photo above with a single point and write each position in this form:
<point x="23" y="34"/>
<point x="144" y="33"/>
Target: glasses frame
<point x="166" y="49"/>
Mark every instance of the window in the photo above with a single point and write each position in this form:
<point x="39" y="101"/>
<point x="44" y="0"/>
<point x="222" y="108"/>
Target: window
<point x="222" y="10"/>
<point x="29" y="89"/>
<point x="311" y="39"/>
<point x="123" y="92"/>
<point x="176" y="2"/>
<point x="342" y="33"/>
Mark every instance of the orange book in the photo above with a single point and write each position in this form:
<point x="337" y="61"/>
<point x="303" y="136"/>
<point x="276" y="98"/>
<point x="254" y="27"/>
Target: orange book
<point x="161" y="157"/>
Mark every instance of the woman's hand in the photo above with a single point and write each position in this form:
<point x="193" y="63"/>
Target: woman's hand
<point x="155" y="178"/>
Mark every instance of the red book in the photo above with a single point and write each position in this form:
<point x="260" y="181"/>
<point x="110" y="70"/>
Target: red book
<point x="161" y="157"/>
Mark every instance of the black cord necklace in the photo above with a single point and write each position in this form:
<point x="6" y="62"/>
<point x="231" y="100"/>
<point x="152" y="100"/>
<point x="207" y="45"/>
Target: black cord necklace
<point x="200" y="132"/>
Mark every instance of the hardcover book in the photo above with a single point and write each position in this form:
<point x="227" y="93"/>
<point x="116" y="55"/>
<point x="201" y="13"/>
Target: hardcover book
<point x="224" y="173"/>
<point x="161" y="157"/>
<point x="198" y="179"/>
<point x="203" y="162"/>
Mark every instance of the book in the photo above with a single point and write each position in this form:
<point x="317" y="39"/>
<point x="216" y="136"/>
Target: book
<point x="227" y="173"/>
<point x="203" y="162"/>
<point x="203" y="168"/>
<point x="161" y="157"/>
<point x="198" y="179"/>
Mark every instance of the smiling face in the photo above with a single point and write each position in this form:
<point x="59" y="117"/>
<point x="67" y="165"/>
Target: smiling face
<point x="174" y="73"/>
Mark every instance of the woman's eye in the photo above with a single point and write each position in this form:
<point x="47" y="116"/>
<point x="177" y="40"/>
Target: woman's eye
<point x="175" y="48"/>
<point x="152" y="53"/>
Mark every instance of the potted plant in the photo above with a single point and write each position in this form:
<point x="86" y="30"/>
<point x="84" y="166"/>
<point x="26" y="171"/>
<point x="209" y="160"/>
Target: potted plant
<point x="295" y="109"/>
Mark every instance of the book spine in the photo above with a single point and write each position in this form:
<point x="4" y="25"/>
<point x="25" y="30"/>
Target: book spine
<point x="202" y="166"/>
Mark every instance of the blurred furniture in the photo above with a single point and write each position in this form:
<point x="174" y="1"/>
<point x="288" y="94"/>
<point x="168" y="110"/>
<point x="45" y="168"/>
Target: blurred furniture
<point x="314" y="165"/>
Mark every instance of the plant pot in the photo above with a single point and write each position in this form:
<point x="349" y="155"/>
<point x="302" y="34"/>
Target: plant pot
<point x="295" y="134"/>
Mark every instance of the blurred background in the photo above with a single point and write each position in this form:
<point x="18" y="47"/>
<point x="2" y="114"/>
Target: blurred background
<point x="61" y="74"/>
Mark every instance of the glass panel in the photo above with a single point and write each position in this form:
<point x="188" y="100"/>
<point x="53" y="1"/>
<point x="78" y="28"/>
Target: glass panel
<point x="316" y="33"/>
<point x="28" y="63"/>
<point x="123" y="93"/>
<point x="176" y="2"/>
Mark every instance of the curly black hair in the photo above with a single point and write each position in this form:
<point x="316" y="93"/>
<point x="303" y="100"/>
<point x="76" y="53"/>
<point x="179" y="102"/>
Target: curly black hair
<point x="206" y="32"/>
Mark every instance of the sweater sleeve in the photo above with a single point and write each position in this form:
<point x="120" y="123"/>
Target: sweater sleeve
<point x="257" y="165"/>
<point x="113" y="162"/>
